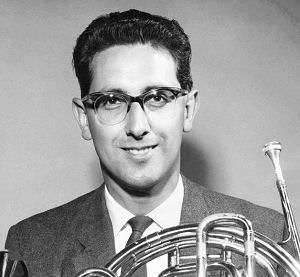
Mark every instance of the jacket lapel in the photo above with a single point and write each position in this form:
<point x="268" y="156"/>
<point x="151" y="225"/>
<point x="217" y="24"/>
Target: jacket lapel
<point x="94" y="241"/>
<point x="194" y="207"/>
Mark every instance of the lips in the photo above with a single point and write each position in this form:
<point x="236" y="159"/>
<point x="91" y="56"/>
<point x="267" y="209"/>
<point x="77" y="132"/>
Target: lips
<point x="140" y="150"/>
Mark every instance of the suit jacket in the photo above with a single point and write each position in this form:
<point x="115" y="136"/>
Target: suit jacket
<point x="77" y="235"/>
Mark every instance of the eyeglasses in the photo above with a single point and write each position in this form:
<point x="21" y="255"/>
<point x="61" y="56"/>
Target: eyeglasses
<point x="112" y="107"/>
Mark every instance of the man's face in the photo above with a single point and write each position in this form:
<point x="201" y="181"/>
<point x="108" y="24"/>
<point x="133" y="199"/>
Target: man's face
<point x="139" y="153"/>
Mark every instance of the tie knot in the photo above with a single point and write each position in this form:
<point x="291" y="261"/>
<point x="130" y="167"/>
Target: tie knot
<point x="140" y="223"/>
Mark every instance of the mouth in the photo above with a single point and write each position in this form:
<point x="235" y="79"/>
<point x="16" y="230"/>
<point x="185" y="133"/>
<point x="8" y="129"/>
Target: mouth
<point x="139" y="151"/>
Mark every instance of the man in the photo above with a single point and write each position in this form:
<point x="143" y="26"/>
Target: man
<point x="136" y="101"/>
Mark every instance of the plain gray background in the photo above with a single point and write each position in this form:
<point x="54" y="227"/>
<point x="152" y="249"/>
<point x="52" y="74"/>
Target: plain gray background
<point x="246" y="66"/>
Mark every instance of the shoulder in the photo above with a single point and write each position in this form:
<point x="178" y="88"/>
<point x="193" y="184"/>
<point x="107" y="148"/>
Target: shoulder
<point x="265" y="220"/>
<point x="48" y="224"/>
<point x="63" y="212"/>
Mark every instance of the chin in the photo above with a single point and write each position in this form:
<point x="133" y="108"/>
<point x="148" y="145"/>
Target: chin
<point x="140" y="182"/>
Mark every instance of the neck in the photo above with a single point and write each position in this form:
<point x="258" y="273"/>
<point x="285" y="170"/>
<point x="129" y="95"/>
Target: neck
<point x="143" y="201"/>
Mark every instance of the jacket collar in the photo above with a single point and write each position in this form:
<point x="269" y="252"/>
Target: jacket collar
<point x="194" y="207"/>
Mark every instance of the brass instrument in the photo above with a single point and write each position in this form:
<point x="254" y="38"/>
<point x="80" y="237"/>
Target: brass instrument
<point x="226" y="232"/>
<point x="273" y="149"/>
<point x="11" y="268"/>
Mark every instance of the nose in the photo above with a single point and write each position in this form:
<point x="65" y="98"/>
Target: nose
<point x="137" y="124"/>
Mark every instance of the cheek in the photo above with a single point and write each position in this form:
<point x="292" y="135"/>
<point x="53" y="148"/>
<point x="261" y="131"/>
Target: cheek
<point x="171" y="132"/>
<point x="103" y="136"/>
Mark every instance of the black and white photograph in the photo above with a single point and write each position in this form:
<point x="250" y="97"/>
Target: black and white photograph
<point x="150" y="138"/>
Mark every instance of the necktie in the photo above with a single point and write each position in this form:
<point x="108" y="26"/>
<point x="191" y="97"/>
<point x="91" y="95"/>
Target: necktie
<point x="138" y="224"/>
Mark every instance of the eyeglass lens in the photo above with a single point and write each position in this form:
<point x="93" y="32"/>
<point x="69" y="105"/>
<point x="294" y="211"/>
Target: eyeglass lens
<point x="112" y="108"/>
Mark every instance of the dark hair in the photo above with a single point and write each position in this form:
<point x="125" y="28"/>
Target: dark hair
<point x="130" y="27"/>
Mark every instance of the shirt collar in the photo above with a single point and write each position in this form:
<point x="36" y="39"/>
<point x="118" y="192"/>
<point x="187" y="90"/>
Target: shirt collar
<point x="167" y="214"/>
<point x="118" y="215"/>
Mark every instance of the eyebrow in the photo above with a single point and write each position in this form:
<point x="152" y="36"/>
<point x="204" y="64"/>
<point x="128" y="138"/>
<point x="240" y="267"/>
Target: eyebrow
<point x="119" y="90"/>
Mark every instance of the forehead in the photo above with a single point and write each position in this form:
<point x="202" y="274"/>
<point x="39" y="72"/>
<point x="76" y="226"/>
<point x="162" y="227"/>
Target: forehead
<point x="132" y="68"/>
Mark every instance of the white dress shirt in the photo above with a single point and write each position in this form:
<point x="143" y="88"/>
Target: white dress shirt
<point x="167" y="214"/>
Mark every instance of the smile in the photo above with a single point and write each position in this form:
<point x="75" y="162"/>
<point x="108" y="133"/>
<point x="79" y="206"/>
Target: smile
<point x="139" y="151"/>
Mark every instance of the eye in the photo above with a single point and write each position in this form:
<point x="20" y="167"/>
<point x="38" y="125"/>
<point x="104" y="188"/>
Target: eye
<point x="109" y="101"/>
<point x="159" y="98"/>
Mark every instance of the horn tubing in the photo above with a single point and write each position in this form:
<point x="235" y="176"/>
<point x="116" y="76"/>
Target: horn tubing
<point x="185" y="235"/>
<point x="210" y="222"/>
<point x="272" y="150"/>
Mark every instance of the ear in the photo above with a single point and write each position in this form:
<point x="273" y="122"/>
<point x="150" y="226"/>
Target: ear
<point x="81" y="117"/>
<point x="191" y="108"/>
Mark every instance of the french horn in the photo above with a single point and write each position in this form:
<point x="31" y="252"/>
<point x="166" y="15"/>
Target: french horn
<point x="229" y="233"/>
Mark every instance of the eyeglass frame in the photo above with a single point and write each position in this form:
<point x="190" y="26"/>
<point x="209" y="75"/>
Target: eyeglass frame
<point x="177" y="92"/>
